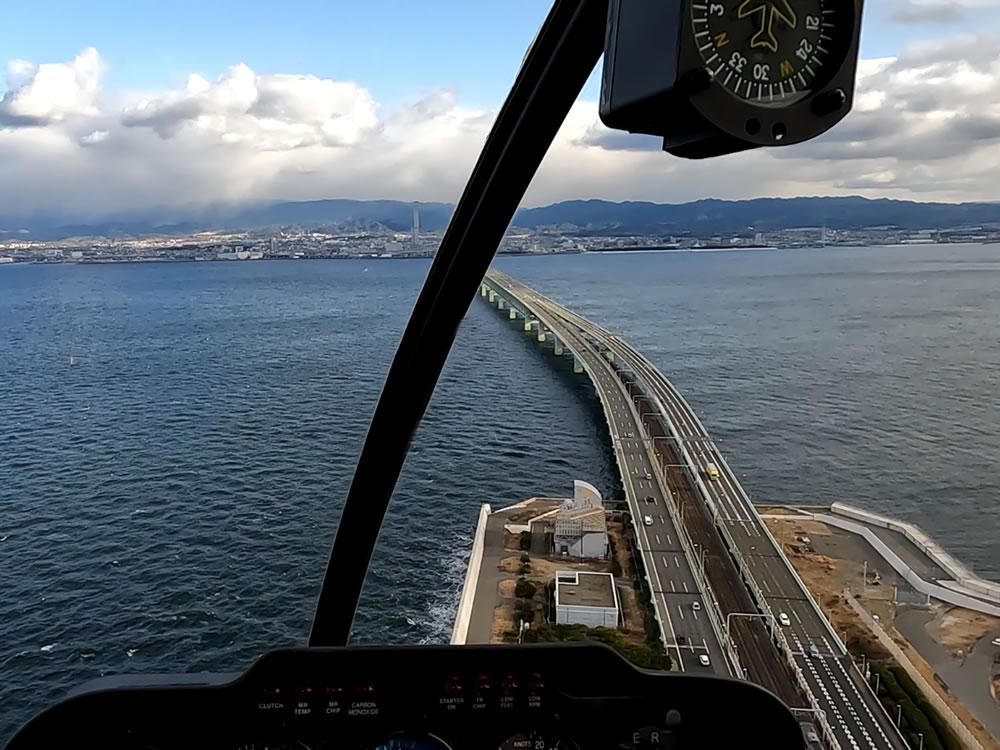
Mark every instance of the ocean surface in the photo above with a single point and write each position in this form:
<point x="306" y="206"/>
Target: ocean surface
<point x="168" y="501"/>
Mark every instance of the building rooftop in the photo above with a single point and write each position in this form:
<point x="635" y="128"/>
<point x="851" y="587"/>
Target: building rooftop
<point x="590" y="519"/>
<point x="583" y="589"/>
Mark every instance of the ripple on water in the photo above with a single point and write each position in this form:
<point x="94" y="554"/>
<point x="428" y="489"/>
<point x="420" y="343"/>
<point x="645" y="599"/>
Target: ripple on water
<point x="168" y="503"/>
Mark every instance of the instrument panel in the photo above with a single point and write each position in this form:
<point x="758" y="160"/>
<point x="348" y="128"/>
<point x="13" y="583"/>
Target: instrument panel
<point x="538" y="697"/>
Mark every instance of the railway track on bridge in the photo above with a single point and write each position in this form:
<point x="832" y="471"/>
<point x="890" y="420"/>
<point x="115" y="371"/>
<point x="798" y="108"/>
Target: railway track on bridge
<point x="739" y="550"/>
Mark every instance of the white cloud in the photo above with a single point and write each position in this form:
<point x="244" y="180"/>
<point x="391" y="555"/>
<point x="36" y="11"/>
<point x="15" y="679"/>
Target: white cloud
<point x="267" y="112"/>
<point x="926" y="125"/>
<point x="95" y="137"/>
<point x="51" y="92"/>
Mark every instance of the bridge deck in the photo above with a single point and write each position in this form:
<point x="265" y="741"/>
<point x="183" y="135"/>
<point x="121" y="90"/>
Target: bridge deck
<point x="745" y="569"/>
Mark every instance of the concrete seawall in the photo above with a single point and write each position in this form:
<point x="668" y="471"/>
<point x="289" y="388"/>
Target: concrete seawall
<point x="841" y="520"/>
<point x="460" y="630"/>
<point x="966" y="582"/>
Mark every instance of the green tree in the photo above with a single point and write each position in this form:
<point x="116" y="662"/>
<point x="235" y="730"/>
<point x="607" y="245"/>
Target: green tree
<point x="524" y="589"/>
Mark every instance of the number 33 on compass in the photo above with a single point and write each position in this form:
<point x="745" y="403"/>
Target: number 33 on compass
<point x="717" y="77"/>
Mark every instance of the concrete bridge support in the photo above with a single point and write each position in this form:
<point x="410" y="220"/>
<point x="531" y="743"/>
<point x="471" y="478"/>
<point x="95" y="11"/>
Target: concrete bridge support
<point x="513" y="314"/>
<point x="500" y="303"/>
<point x="577" y="366"/>
<point x="541" y="333"/>
<point x="527" y="324"/>
<point x="482" y="290"/>
<point x="558" y="345"/>
<point x="493" y="296"/>
<point x="609" y="355"/>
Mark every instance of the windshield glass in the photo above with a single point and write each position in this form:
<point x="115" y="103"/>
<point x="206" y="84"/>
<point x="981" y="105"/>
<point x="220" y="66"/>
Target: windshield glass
<point x="719" y="419"/>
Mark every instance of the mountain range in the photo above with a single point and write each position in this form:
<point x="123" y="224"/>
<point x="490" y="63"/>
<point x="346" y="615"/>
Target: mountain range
<point x="594" y="217"/>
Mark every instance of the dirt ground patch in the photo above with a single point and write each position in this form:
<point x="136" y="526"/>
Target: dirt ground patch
<point x="959" y="629"/>
<point x="965" y="716"/>
<point x="777" y="510"/>
<point x="631" y="613"/>
<point x="542" y="571"/>
<point x="788" y="531"/>
<point x="840" y="564"/>
<point x="503" y="622"/>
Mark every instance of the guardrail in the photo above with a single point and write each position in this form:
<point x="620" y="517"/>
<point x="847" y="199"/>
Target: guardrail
<point x="619" y="457"/>
<point x="714" y="610"/>
<point x="780" y="641"/>
<point x="964" y="577"/>
<point x="954" y="722"/>
<point x="934" y="590"/>
<point x="731" y="476"/>
<point x="784" y="647"/>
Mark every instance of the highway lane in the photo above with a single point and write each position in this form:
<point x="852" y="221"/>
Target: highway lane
<point x="688" y="630"/>
<point x="855" y="717"/>
<point x="861" y="722"/>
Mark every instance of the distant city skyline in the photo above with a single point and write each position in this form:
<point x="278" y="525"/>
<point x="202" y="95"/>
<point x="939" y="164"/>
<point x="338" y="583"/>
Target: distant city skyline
<point x="151" y="107"/>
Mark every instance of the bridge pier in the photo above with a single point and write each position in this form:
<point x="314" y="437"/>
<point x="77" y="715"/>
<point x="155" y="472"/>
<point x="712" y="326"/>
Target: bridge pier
<point x="577" y="366"/>
<point x="527" y="324"/>
<point x="482" y="290"/>
<point x="609" y="355"/>
<point x="513" y="314"/>
<point x="541" y="333"/>
<point x="558" y="345"/>
<point x="493" y="296"/>
<point x="500" y="304"/>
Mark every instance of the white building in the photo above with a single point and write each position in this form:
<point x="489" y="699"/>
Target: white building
<point x="584" y="598"/>
<point x="581" y="529"/>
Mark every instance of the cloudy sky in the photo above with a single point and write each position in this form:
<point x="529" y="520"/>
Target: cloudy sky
<point x="158" y="107"/>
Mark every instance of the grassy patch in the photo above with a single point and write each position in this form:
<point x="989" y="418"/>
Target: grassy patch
<point x="642" y="655"/>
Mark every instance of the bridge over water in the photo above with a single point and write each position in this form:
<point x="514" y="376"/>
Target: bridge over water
<point x="701" y="539"/>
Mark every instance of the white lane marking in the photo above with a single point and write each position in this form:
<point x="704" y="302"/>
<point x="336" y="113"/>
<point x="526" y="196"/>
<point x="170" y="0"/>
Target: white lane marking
<point x="681" y="611"/>
<point x="860" y="699"/>
<point x="672" y="587"/>
<point x="666" y="605"/>
<point x="796" y="616"/>
<point x="686" y="588"/>
<point x="676" y="561"/>
<point x="657" y="538"/>
<point x="668" y="539"/>
<point x="661" y="520"/>
<point x="695" y="613"/>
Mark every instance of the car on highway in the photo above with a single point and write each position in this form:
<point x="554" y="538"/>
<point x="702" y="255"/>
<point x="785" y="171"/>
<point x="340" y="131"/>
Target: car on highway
<point x="783" y="619"/>
<point x="813" y="651"/>
<point x="649" y="499"/>
<point x="713" y="471"/>
<point x="703" y="660"/>
<point x="648" y="520"/>
<point x="649" y="476"/>
<point x="996" y="641"/>
<point x="696" y="605"/>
